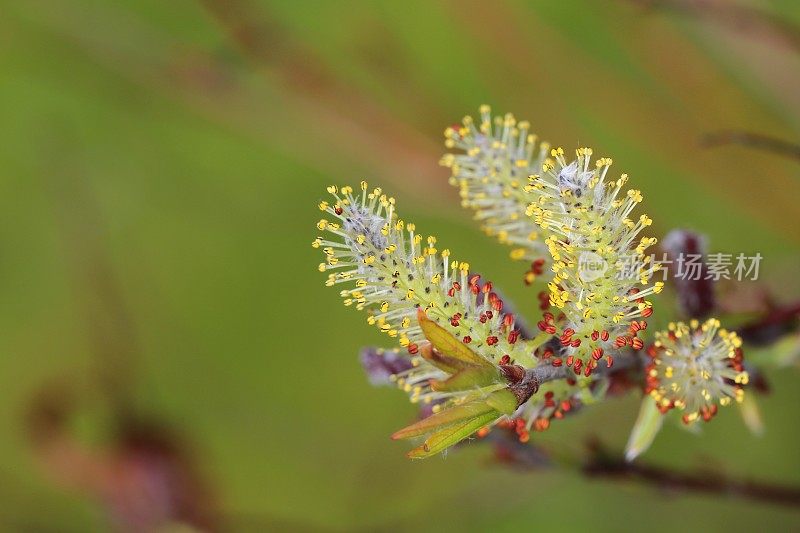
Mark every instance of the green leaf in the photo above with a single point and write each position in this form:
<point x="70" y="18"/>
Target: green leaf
<point x="447" y="364"/>
<point x="442" y="340"/>
<point x="647" y="426"/>
<point x="453" y="415"/>
<point x="468" y="378"/>
<point x="451" y="435"/>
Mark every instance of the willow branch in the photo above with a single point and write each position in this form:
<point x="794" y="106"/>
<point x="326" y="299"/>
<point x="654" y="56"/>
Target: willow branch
<point x="604" y="465"/>
<point x="758" y="141"/>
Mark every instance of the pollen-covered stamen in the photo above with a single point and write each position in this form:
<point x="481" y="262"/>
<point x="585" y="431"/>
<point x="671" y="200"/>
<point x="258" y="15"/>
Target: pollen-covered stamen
<point x="491" y="173"/>
<point x="694" y="368"/>
<point x="602" y="277"/>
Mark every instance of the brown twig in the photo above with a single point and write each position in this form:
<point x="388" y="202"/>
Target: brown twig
<point x="746" y="20"/>
<point x="752" y="140"/>
<point x="603" y="464"/>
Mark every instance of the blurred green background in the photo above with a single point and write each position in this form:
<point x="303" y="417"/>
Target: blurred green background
<point x="161" y="164"/>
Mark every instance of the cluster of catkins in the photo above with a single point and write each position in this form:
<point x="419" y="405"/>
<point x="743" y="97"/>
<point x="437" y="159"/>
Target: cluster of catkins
<point x="462" y="353"/>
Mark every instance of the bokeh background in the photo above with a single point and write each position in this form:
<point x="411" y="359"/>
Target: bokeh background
<point x="162" y="316"/>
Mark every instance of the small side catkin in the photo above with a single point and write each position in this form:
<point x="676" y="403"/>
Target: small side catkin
<point x="695" y="367"/>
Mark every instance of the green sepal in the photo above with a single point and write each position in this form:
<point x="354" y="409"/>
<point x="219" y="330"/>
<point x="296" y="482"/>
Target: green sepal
<point x="751" y="414"/>
<point x="647" y="426"/>
<point x="504" y="401"/>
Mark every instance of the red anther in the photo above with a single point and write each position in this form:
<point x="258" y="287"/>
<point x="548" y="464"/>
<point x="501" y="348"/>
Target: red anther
<point x="508" y="320"/>
<point x="634" y="327"/>
<point x="491" y="341"/>
<point x="633" y="290"/>
<point x="549" y="394"/>
<point x="568" y="332"/>
<point x="604" y="335"/>
<point x="652" y="351"/>
<point x="474" y="289"/>
<point x="706" y="414"/>
<point x="451" y="292"/>
<point x="548" y="352"/>
<point x="482" y="318"/>
<point x="597" y="353"/>
<point x="686" y="419"/>
<point x="413" y="348"/>
<point x="489" y="315"/>
<point x="542" y="424"/>
<point x="338" y="210"/>
<point x="588" y="371"/>
<point x="557" y="362"/>
<point x="571" y="382"/>
<point x="544" y="301"/>
<point x="513" y="336"/>
<point x="487" y="287"/>
<point x="642" y="325"/>
<point x="497" y="304"/>
<point x="558" y="414"/>
<point x="549" y="403"/>
<point x="595" y="335"/>
<point x="637" y="343"/>
<point x="713" y="409"/>
<point x="609" y="361"/>
<point x="506" y="359"/>
<point x="456" y="285"/>
<point x="542" y="325"/>
<point x="663" y="409"/>
<point x="481" y="433"/>
<point x="473" y="279"/>
<point x="566" y="405"/>
<point x="575" y="343"/>
<point x="524" y="437"/>
<point x="550" y="329"/>
<point x="564" y="342"/>
<point x="519" y="424"/>
<point x="577" y="367"/>
<point x="505" y="424"/>
<point x="548" y="317"/>
<point x="467" y="339"/>
<point x="570" y="360"/>
<point x="455" y="320"/>
<point x="543" y="295"/>
<point x="621" y="341"/>
<point x="647" y="312"/>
